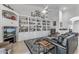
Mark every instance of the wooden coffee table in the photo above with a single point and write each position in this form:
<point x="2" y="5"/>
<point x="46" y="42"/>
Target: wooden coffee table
<point x="45" y="44"/>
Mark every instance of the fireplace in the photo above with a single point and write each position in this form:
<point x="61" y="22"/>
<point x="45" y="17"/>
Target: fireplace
<point x="9" y="34"/>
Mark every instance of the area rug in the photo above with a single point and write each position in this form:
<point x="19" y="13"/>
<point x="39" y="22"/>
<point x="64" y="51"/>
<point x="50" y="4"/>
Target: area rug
<point x="34" y="48"/>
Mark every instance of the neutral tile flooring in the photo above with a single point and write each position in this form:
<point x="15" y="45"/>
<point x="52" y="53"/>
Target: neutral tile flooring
<point x="21" y="48"/>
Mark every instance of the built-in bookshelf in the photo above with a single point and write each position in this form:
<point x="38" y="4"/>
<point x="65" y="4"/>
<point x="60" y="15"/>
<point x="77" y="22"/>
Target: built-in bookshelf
<point x="43" y="25"/>
<point x="30" y="24"/>
<point x="48" y="25"/>
<point x="23" y="24"/>
<point x="38" y="24"/>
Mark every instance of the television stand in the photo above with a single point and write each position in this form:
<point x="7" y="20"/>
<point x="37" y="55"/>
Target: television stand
<point x="10" y="39"/>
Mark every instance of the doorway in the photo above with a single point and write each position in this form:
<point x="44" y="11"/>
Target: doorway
<point x="76" y="26"/>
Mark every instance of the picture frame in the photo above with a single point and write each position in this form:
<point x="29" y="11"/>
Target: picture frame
<point x="54" y="23"/>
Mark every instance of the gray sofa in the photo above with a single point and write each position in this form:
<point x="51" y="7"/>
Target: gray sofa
<point x="67" y="44"/>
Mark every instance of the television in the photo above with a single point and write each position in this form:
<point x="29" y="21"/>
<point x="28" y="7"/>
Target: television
<point x="9" y="31"/>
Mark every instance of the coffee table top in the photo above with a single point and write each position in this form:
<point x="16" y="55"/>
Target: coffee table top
<point x="38" y="47"/>
<point x="45" y="43"/>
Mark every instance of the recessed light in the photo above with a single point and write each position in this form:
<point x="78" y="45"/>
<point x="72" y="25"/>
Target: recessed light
<point x="64" y="8"/>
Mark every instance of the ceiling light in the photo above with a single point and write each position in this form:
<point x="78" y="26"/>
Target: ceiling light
<point x="64" y="8"/>
<point x="44" y="11"/>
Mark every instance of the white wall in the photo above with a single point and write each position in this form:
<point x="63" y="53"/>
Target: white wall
<point x="25" y="9"/>
<point x="53" y="14"/>
<point x="76" y="26"/>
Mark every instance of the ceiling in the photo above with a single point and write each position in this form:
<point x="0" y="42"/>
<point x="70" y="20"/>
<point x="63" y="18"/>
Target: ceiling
<point x="50" y="6"/>
<point x="53" y="9"/>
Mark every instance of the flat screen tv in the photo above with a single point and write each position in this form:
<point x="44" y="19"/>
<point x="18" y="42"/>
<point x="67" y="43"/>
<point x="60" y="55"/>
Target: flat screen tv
<point x="9" y="31"/>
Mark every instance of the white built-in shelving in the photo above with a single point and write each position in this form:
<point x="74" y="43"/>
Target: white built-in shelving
<point x="30" y="24"/>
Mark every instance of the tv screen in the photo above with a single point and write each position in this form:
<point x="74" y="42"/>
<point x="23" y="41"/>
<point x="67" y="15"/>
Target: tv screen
<point x="9" y="31"/>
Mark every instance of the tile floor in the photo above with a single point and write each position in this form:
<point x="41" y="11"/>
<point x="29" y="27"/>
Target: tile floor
<point x="20" y="48"/>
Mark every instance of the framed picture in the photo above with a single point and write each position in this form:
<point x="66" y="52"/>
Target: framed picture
<point x="54" y="23"/>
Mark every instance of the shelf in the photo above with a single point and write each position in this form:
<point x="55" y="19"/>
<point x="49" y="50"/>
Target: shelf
<point x="9" y="15"/>
<point x="34" y="24"/>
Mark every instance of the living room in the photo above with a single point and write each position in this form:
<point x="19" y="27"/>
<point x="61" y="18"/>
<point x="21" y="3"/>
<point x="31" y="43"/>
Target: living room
<point x="39" y="28"/>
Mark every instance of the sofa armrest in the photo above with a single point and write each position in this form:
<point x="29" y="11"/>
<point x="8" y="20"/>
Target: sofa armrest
<point x="58" y="45"/>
